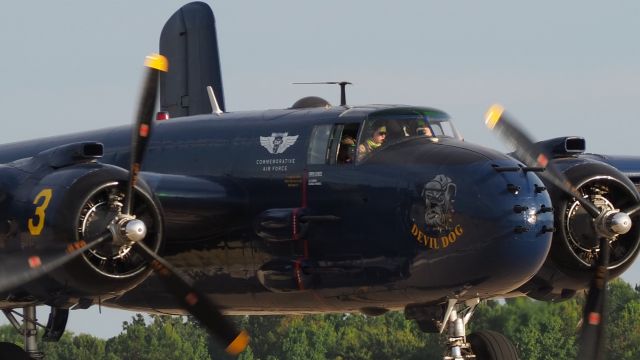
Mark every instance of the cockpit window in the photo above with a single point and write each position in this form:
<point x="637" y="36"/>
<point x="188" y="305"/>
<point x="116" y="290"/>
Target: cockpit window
<point x="318" y="150"/>
<point x="389" y="126"/>
<point x="443" y="128"/>
<point x="333" y="144"/>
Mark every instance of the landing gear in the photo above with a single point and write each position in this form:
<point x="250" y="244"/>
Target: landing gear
<point x="482" y="345"/>
<point x="457" y="346"/>
<point x="29" y="329"/>
<point x="31" y="332"/>
<point x="487" y="344"/>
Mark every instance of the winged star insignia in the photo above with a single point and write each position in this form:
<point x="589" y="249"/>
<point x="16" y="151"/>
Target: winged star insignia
<point x="277" y="143"/>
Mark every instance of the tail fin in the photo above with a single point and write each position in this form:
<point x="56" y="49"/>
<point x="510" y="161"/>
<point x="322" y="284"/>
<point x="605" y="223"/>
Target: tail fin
<point x="189" y="41"/>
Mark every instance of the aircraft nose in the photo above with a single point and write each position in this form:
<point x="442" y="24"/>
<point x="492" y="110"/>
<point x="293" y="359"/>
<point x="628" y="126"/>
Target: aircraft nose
<point x="517" y="224"/>
<point x="487" y="224"/>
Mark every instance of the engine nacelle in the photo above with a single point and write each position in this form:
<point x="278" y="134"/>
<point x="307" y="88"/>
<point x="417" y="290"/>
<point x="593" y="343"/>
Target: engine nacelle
<point x="48" y="208"/>
<point x="570" y="264"/>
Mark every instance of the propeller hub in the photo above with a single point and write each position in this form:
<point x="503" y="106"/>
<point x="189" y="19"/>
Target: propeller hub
<point x="135" y="230"/>
<point x="611" y="223"/>
<point x="126" y="230"/>
<point x="619" y="222"/>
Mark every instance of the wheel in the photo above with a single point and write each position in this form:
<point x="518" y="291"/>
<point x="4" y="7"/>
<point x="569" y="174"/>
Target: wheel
<point x="12" y="351"/>
<point x="491" y="345"/>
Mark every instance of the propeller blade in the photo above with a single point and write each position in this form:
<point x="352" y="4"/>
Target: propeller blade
<point x="143" y="122"/>
<point x="592" y="334"/>
<point x="198" y="304"/>
<point x="17" y="271"/>
<point x="526" y="149"/>
<point x="633" y="209"/>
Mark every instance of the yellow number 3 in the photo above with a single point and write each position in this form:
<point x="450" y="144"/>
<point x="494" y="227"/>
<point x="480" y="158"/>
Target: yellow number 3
<point x="45" y="195"/>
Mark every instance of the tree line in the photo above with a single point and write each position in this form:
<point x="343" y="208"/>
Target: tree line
<point x="539" y="330"/>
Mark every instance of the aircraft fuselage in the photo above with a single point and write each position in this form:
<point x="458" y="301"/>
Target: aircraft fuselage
<point x="259" y="211"/>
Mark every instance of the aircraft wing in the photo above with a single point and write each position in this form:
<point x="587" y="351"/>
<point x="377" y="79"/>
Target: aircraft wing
<point x="626" y="164"/>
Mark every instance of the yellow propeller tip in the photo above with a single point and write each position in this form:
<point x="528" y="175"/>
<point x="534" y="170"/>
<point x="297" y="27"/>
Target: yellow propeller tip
<point x="157" y="61"/>
<point x="238" y="344"/>
<point x="493" y="115"/>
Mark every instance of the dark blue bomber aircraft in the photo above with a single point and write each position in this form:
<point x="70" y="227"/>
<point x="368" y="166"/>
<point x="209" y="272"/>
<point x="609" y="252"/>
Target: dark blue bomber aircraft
<point x="314" y="208"/>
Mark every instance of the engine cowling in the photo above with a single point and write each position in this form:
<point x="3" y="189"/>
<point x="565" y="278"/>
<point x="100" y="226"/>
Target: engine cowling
<point x="570" y="264"/>
<point x="49" y="208"/>
<point x="94" y="200"/>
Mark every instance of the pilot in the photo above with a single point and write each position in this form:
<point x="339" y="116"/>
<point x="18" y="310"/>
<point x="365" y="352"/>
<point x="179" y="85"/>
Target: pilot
<point x="373" y="143"/>
<point x="347" y="151"/>
<point x="424" y="129"/>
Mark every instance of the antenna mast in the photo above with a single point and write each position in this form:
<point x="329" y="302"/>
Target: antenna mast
<point x="214" y="102"/>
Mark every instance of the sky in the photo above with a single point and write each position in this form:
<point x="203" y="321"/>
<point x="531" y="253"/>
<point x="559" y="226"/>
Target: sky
<point x="560" y="67"/>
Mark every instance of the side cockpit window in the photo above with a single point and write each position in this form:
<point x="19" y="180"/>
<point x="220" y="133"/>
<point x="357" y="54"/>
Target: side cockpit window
<point x="333" y="144"/>
<point x="319" y="144"/>
<point x="347" y="147"/>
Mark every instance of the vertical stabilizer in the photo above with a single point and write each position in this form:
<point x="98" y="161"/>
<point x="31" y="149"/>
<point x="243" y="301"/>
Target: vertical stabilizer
<point x="189" y="41"/>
